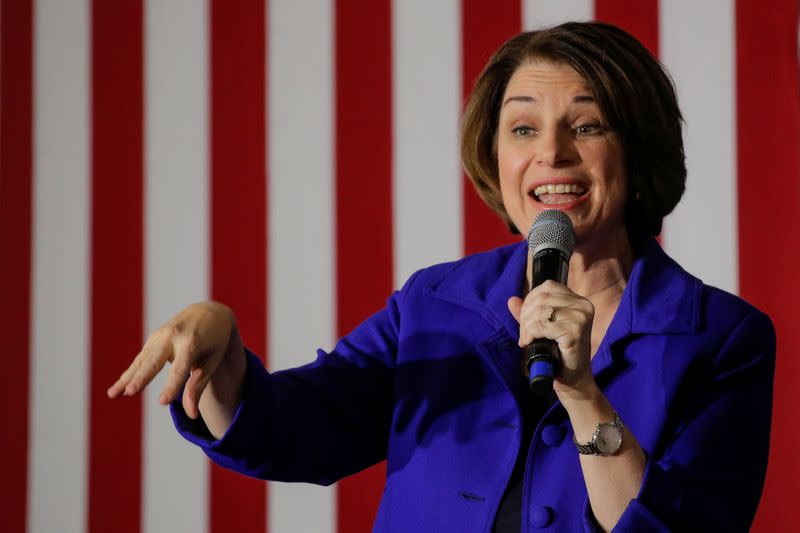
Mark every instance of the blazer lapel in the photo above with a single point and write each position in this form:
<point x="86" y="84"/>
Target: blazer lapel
<point x="485" y="287"/>
<point x="661" y="298"/>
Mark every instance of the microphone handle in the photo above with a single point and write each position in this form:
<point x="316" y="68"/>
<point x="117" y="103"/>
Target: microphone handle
<point x="542" y="360"/>
<point x="542" y="357"/>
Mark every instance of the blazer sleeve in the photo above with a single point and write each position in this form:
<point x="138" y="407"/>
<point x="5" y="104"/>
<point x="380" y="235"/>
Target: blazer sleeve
<point x="710" y="476"/>
<point x="316" y="423"/>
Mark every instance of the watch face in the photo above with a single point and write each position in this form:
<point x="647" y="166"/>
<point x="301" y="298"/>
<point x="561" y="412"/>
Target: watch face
<point x="608" y="440"/>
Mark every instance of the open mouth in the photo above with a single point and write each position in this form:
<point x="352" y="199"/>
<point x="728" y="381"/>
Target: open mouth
<point x="558" y="194"/>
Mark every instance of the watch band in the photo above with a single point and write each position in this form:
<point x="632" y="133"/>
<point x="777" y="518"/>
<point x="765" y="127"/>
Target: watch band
<point x="585" y="449"/>
<point x="590" y="448"/>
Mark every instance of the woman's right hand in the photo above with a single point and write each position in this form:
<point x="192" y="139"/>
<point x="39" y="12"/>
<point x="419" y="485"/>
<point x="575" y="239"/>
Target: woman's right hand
<point x="208" y="361"/>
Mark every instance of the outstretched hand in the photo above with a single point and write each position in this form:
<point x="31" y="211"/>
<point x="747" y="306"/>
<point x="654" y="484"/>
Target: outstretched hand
<point x="206" y="352"/>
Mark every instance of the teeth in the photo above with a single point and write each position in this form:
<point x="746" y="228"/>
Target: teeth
<point x="559" y="189"/>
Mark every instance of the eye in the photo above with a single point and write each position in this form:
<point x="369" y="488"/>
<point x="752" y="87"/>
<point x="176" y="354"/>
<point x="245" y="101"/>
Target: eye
<point x="591" y="128"/>
<point x="523" y="131"/>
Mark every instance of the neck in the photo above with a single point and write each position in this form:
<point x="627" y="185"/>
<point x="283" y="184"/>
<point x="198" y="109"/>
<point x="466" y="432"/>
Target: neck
<point x="599" y="269"/>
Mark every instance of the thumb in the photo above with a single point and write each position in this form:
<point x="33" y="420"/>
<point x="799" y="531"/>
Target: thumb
<point x="515" y="306"/>
<point x="194" y="389"/>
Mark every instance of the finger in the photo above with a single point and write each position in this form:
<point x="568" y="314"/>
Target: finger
<point x="539" y="323"/>
<point x="119" y="386"/>
<point x="550" y="310"/>
<point x="534" y="327"/>
<point x="515" y="306"/>
<point x="563" y="308"/>
<point x="194" y="389"/>
<point x="559" y="298"/>
<point x="187" y="357"/>
<point x="555" y="294"/>
<point x="176" y="378"/>
<point x="155" y="354"/>
<point x="541" y="313"/>
<point x="551" y="286"/>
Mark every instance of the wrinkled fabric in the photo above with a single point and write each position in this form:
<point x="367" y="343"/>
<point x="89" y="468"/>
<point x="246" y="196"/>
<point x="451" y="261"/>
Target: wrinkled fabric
<point x="431" y="384"/>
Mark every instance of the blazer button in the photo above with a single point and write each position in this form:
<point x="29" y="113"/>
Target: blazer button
<point x="553" y="435"/>
<point x="542" y="516"/>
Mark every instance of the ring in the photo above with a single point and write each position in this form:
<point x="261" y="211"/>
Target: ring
<point x="550" y="314"/>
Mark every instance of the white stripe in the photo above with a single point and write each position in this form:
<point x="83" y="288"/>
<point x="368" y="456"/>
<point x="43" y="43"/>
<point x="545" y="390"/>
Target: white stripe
<point x="539" y="13"/>
<point x="175" y="479"/>
<point x="427" y="186"/>
<point x="301" y="219"/>
<point x="59" y="396"/>
<point x="697" y="45"/>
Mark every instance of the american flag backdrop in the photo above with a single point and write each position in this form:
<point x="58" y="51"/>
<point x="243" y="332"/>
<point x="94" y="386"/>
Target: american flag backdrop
<point x="297" y="160"/>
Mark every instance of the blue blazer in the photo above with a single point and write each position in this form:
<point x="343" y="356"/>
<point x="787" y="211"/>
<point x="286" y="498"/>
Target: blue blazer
<point x="431" y="382"/>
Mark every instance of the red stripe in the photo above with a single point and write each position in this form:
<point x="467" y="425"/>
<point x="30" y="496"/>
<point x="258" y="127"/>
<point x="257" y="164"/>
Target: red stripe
<point x="117" y="255"/>
<point x="768" y="131"/>
<point x="363" y="200"/>
<point x="239" y="216"/>
<point x="484" y="27"/>
<point x="637" y="17"/>
<point x="16" y="149"/>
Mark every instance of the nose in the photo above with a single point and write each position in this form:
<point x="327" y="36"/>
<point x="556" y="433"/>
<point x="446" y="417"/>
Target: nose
<point x="555" y="148"/>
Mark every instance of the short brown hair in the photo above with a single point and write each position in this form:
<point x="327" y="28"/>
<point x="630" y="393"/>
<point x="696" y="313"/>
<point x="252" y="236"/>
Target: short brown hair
<point x="634" y="93"/>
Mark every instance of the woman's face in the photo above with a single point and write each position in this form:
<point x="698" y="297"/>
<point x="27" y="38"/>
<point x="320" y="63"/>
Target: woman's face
<point x="555" y="152"/>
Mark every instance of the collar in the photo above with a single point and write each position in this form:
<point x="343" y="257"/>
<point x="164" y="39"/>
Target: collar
<point x="484" y="282"/>
<point x="660" y="297"/>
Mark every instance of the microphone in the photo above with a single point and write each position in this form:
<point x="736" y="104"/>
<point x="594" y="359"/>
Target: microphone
<point x="551" y="241"/>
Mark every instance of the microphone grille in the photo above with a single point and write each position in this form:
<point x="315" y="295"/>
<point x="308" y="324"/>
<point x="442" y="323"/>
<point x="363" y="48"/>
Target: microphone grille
<point x="552" y="229"/>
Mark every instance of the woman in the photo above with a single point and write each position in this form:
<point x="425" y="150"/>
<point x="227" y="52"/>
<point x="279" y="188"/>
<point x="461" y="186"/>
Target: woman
<point x="662" y="406"/>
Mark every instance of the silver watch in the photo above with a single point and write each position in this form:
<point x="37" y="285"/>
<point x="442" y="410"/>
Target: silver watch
<point x="606" y="439"/>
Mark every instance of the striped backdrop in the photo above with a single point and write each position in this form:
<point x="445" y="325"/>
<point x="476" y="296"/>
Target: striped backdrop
<point x="297" y="159"/>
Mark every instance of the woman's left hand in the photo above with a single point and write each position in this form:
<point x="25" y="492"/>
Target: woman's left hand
<point x="552" y="311"/>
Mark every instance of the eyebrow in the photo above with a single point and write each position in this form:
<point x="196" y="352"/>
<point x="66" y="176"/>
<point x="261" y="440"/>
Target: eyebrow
<point x="579" y="99"/>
